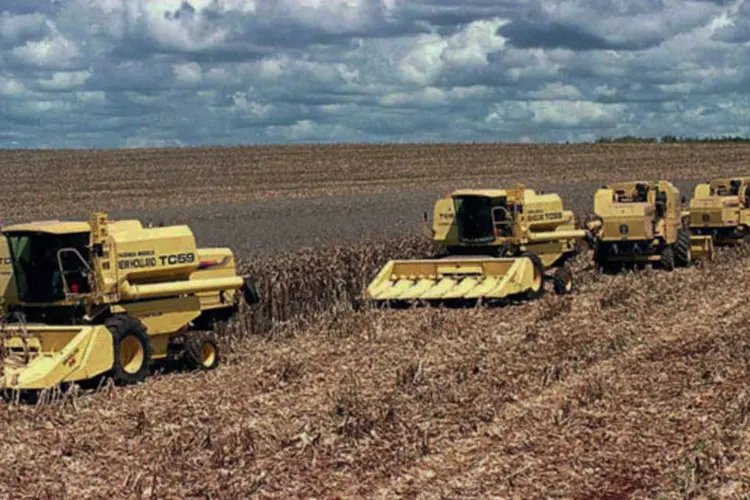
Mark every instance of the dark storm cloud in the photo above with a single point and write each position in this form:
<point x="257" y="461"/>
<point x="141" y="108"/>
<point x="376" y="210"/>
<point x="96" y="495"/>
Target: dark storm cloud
<point x="554" y="35"/>
<point x="107" y="73"/>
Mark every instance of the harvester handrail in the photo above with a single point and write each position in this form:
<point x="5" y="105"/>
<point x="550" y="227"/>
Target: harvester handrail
<point x="62" y="269"/>
<point x="509" y="220"/>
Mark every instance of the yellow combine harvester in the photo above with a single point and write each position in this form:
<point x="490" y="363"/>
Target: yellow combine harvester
<point x="721" y="209"/>
<point x="640" y="222"/>
<point x="491" y="244"/>
<point x="86" y="299"/>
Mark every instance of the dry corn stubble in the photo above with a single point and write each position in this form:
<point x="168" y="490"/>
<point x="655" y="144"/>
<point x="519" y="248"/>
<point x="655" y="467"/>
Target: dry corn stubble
<point x="611" y="389"/>
<point x="82" y="181"/>
<point x="633" y="386"/>
<point x="299" y="285"/>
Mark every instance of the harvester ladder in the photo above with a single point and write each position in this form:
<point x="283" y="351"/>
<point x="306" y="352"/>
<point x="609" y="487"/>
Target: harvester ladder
<point x="101" y="258"/>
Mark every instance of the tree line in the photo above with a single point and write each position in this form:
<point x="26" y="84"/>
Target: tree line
<point x="671" y="139"/>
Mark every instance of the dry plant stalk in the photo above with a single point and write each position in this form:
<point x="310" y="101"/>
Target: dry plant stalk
<point x="635" y="386"/>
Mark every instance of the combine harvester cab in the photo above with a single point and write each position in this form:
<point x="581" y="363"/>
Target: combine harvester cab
<point x="641" y="222"/>
<point x="721" y="209"/>
<point x="491" y="245"/>
<point x="86" y="299"/>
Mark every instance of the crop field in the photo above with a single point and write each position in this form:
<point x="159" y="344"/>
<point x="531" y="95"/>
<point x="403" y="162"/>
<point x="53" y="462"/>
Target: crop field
<point x="263" y="200"/>
<point x="633" y="386"/>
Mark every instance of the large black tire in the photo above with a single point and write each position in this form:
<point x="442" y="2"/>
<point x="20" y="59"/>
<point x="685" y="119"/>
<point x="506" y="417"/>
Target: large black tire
<point x="202" y="351"/>
<point x="131" y="349"/>
<point x="537" y="290"/>
<point x="682" y="254"/>
<point x="563" y="281"/>
<point x="602" y="264"/>
<point x="667" y="258"/>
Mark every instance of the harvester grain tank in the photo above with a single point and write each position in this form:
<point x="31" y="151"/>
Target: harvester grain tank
<point x="640" y="222"/>
<point x="491" y="244"/>
<point x="109" y="297"/>
<point x="721" y="209"/>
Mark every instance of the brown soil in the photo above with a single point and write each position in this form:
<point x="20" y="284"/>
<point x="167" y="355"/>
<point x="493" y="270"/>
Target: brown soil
<point x="633" y="386"/>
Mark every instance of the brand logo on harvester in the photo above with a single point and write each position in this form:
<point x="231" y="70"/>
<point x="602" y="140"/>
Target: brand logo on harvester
<point x="146" y="262"/>
<point x="178" y="258"/>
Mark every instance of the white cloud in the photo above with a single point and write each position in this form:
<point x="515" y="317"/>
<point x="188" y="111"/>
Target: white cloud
<point x="65" y="80"/>
<point x="56" y="52"/>
<point x="189" y="73"/>
<point x="247" y="107"/>
<point x="229" y="71"/>
<point x="11" y="87"/>
<point x="469" y="48"/>
<point x="557" y="113"/>
<point x="303" y="129"/>
<point x="431" y="97"/>
<point x="90" y="98"/>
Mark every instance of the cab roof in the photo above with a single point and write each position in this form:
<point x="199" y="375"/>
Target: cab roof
<point x="69" y="227"/>
<point x="490" y="193"/>
<point x="632" y="184"/>
<point x="50" y="227"/>
<point x="727" y="180"/>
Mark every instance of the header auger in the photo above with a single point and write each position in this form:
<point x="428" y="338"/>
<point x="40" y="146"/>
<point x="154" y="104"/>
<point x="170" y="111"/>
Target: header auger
<point x="641" y="222"/>
<point x="109" y="297"/>
<point x="491" y="244"/>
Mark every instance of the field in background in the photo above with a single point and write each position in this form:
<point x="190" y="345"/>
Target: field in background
<point x="632" y="386"/>
<point x="269" y="199"/>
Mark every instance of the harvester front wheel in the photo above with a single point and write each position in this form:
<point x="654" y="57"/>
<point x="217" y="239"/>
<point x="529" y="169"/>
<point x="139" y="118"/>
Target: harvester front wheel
<point x="537" y="287"/>
<point x="563" y="281"/>
<point x="682" y="254"/>
<point x="132" y="349"/>
<point x="667" y="259"/>
<point x="202" y="351"/>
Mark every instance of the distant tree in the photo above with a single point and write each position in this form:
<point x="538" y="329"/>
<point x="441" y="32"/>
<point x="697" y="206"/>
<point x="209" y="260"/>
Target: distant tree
<point x="672" y="139"/>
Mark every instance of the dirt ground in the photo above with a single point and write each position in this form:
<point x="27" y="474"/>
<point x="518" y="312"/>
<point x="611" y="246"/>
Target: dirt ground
<point x="261" y="201"/>
<point x="633" y="386"/>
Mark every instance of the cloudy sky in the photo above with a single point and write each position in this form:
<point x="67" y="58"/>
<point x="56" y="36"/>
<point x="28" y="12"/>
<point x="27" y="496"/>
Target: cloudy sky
<point x="126" y="73"/>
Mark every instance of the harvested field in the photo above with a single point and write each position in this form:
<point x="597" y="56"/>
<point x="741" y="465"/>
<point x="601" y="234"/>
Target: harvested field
<point x="633" y="386"/>
<point x="268" y="199"/>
